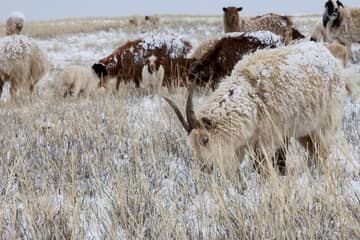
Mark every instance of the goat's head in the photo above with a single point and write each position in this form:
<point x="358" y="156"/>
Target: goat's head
<point x="132" y="21"/>
<point x="19" y="27"/>
<point x="332" y="8"/>
<point x="231" y="14"/>
<point x="199" y="132"/>
<point x="107" y="68"/>
<point x="153" y="63"/>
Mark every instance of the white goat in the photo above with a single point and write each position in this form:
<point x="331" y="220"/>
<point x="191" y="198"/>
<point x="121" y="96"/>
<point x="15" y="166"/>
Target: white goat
<point x="22" y="62"/>
<point x="271" y="96"/>
<point x="78" y="79"/>
<point x="278" y="24"/>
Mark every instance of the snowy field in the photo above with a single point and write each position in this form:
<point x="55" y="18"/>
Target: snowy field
<point x="118" y="166"/>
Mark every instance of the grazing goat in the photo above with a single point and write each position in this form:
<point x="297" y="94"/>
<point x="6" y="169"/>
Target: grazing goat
<point x="22" y="62"/>
<point x="272" y="95"/>
<point x="15" y="23"/>
<point x="280" y="25"/>
<point x="78" y="79"/>
<point x="153" y="74"/>
<point x="127" y="61"/>
<point x="220" y="60"/>
<point x="342" y="24"/>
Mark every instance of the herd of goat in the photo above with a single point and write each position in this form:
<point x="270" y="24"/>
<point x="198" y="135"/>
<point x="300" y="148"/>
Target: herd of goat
<point x="269" y="83"/>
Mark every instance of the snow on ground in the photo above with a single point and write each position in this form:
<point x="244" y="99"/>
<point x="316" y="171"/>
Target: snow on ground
<point x="143" y="113"/>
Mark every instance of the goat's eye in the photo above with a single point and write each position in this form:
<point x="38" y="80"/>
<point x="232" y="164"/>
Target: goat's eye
<point x="111" y="65"/>
<point x="204" y="140"/>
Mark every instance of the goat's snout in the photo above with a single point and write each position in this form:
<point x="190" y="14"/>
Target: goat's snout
<point x="233" y="19"/>
<point x="19" y="26"/>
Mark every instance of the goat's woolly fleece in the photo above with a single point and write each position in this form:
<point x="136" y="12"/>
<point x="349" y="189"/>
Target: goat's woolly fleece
<point x="293" y="91"/>
<point x="21" y="61"/>
<point x="78" y="78"/>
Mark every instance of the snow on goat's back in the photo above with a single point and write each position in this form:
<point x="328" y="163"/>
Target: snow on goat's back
<point x="22" y="61"/>
<point x="12" y="47"/>
<point x="174" y="44"/>
<point x="300" y="83"/>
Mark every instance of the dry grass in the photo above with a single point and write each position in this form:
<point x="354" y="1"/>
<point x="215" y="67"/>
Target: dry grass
<point x="118" y="167"/>
<point x="52" y="28"/>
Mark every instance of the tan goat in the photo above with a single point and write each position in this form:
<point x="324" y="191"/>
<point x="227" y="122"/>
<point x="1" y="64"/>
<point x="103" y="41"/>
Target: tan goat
<point x="280" y="25"/>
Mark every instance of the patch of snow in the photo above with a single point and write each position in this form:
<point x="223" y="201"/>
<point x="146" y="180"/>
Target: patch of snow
<point x="13" y="47"/>
<point x="266" y="37"/>
<point x="174" y="44"/>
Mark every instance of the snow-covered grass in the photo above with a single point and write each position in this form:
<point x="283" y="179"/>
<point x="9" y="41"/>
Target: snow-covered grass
<point x="118" y="166"/>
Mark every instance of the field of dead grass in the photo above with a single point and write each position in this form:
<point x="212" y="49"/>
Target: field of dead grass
<point x="119" y="167"/>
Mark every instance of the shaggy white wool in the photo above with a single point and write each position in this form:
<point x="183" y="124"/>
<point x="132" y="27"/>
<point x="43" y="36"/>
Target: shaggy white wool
<point x="266" y="37"/>
<point x="291" y="91"/>
<point x="21" y="61"/>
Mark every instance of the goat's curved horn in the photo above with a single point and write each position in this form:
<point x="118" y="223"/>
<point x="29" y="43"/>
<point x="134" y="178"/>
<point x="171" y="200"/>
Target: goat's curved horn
<point x="190" y="114"/>
<point x="178" y="113"/>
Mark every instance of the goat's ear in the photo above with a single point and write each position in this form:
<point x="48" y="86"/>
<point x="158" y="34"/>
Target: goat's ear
<point x="208" y="123"/>
<point x="327" y="4"/>
<point x="224" y="9"/>
<point x="340" y="4"/>
<point x="240" y="9"/>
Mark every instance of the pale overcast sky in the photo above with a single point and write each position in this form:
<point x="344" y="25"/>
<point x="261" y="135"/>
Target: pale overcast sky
<point x="50" y="9"/>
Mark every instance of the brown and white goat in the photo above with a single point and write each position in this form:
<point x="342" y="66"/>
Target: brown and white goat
<point x="126" y="62"/>
<point x="280" y="25"/>
<point x="153" y="74"/>
<point x="263" y="103"/>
